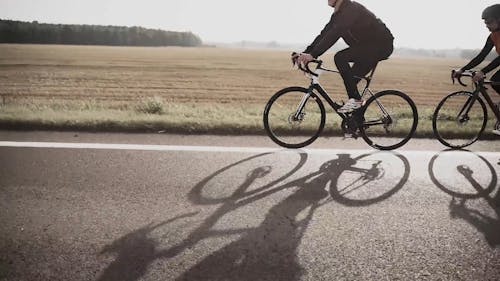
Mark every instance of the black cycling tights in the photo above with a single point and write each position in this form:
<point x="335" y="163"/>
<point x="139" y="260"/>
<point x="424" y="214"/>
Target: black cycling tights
<point x="364" y="59"/>
<point x="496" y="78"/>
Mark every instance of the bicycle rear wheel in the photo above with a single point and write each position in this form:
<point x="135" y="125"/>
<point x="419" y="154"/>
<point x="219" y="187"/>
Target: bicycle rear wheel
<point x="459" y="119"/>
<point x="390" y="119"/>
<point x="289" y="126"/>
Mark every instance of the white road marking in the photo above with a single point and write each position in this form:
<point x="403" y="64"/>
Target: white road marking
<point x="149" y="147"/>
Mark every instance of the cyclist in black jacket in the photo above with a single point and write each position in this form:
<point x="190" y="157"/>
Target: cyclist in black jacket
<point x="369" y="40"/>
<point x="491" y="17"/>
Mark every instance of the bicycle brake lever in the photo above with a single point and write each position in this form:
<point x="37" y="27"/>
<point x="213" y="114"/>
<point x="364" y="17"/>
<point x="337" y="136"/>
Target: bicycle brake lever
<point x="294" y="57"/>
<point x="459" y="79"/>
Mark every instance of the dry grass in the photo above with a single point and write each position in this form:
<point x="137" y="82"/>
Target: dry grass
<point x="211" y="86"/>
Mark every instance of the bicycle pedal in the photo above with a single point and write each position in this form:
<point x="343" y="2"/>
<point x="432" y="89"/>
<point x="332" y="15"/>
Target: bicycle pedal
<point x="350" y="136"/>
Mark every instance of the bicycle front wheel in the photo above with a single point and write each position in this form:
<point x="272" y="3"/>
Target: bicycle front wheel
<point x="390" y="119"/>
<point x="294" y="118"/>
<point x="459" y="119"/>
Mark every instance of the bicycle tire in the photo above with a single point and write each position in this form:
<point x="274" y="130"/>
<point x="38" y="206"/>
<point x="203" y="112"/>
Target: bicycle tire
<point x="293" y="133"/>
<point x="397" y="124"/>
<point x="452" y="131"/>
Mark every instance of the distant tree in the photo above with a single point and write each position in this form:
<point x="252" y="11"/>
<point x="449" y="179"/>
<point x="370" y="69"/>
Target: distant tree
<point x="34" y="32"/>
<point x="273" y="44"/>
<point x="470" y="54"/>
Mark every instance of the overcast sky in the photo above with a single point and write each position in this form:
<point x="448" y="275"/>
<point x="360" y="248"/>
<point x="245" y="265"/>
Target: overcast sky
<point x="417" y="24"/>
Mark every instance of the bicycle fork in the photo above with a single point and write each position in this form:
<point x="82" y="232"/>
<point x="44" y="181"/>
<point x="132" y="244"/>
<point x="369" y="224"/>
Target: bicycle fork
<point x="299" y="114"/>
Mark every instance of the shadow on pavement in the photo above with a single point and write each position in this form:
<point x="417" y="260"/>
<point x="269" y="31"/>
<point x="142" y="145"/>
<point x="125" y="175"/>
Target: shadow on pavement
<point x="459" y="209"/>
<point x="267" y="251"/>
<point x="135" y="251"/>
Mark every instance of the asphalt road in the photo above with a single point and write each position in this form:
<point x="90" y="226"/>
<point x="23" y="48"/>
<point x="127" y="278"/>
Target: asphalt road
<point x="239" y="208"/>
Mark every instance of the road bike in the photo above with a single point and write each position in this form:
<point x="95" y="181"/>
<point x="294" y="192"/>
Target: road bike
<point x="460" y="118"/>
<point x="294" y="117"/>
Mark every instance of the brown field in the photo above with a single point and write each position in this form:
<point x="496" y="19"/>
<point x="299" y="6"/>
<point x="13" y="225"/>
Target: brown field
<point x="190" y="74"/>
<point x="122" y="77"/>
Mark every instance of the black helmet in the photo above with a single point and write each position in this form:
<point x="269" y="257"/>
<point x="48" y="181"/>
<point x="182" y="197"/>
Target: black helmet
<point x="492" y="12"/>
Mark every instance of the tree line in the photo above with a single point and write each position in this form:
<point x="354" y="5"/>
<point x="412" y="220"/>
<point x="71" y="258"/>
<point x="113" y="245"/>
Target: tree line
<point x="470" y="54"/>
<point x="41" y="33"/>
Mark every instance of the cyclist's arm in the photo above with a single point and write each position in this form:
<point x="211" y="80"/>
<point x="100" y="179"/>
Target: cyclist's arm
<point x="493" y="64"/>
<point x="319" y="37"/>
<point x="330" y="33"/>
<point x="481" y="56"/>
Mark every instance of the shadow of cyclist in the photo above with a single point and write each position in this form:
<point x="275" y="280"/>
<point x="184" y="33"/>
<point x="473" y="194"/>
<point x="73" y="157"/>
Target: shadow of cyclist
<point x="350" y="193"/>
<point x="135" y="251"/>
<point x="459" y="209"/>
<point x="269" y="251"/>
<point x="489" y="226"/>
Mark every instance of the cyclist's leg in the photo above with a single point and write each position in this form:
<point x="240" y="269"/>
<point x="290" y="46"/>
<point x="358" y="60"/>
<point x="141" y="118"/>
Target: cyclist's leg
<point x="342" y="60"/>
<point x="364" y="59"/>
<point x="362" y="67"/>
<point x="496" y="78"/>
<point x="366" y="63"/>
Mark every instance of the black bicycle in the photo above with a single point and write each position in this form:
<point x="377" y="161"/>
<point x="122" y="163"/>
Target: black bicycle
<point x="460" y="118"/>
<point x="294" y="117"/>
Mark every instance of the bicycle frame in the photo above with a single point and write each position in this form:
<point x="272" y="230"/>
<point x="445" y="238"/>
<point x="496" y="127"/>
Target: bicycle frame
<point x="316" y="86"/>
<point x="297" y="119"/>
<point x="479" y="89"/>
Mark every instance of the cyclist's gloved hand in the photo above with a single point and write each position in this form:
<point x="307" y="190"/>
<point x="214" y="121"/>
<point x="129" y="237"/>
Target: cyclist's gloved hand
<point x="457" y="73"/>
<point x="304" y="58"/>
<point x="294" y="58"/>
<point x="478" y="76"/>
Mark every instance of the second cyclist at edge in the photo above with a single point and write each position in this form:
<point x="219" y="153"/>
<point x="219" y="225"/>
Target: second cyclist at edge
<point x="369" y="41"/>
<point x="491" y="17"/>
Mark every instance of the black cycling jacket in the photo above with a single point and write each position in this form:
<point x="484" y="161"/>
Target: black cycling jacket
<point x="482" y="55"/>
<point x="356" y="25"/>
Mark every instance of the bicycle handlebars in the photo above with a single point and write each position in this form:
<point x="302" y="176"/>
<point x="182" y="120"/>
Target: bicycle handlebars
<point x="471" y="73"/>
<point x="467" y="73"/>
<point x="306" y="69"/>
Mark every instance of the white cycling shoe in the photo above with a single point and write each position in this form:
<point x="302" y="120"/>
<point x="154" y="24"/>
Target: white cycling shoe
<point x="350" y="106"/>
